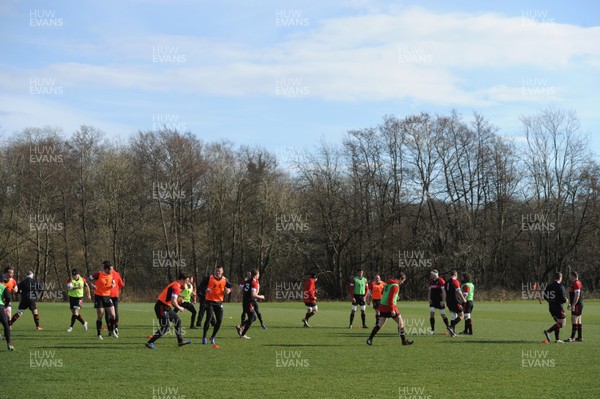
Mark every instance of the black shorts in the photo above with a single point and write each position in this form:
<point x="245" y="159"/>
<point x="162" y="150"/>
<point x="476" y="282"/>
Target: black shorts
<point x="360" y="300"/>
<point x="376" y="303"/>
<point x="577" y="310"/>
<point x="557" y="311"/>
<point x="455" y="307"/>
<point x="75" y="302"/>
<point x="468" y="307"/>
<point x="102" y="302"/>
<point x="437" y="305"/>
<point x="249" y="309"/>
<point x="27" y="303"/>
<point x="310" y="304"/>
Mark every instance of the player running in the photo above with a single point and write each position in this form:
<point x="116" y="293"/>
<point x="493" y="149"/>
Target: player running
<point x="75" y="288"/>
<point x="556" y="296"/>
<point x="437" y="299"/>
<point x="456" y="300"/>
<point x="29" y="289"/>
<point x="4" y="303"/>
<point x="165" y="315"/>
<point x="375" y="292"/>
<point x="102" y="302"/>
<point x="216" y="287"/>
<point x="468" y="290"/>
<point x="310" y="298"/>
<point x="388" y="309"/>
<point x="576" y="306"/>
<point x="10" y="283"/>
<point x="251" y="297"/>
<point x="358" y="293"/>
<point x="185" y="300"/>
<point x="114" y="297"/>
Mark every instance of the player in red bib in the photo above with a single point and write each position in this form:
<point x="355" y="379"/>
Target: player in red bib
<point x="576" y="306"/>
<point x="388" y="309"/>
<point x="165" y="314"/>
<point x="310" y="298"/>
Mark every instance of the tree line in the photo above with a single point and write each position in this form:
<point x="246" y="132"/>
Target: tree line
<point x="413" y="193"/>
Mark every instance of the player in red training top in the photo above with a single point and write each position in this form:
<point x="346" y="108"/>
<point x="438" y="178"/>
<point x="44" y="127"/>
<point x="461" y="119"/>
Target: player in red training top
<point x="114" y="296"/>
<point x="165" y="314"/>
<point x="576" y="306"/>
<point x="251" y="295"/>
<point x="437" y="299"/>
<point x="388" y="309"/>
<point x="456" y="301"/>
<point x="104" y="282"/>
<point x="310" y="298"/>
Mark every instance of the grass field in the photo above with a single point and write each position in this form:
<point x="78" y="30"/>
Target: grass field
<point x="504" y="359"/>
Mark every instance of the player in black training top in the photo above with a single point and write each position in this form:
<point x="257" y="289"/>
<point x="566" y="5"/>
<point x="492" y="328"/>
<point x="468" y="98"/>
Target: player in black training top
<point x="556" y="296"/>
<point x="251" y="295"/>
<point x="30" y="289"/>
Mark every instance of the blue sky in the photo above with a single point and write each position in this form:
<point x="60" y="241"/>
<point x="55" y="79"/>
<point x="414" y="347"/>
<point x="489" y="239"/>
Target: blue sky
<point x="287" y="74"/>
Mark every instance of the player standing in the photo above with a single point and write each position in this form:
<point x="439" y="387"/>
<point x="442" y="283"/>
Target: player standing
<point x="468" y="290"/>
<point x="576" y="306"/>
<point x="251" y="297"/>
<point x="102" y="302"/>
<point x="165" y="315"/>
<point x="556" y="296"/>
<point x="114" y="296"/>
<point x="455" y="300"/>
<point x="437" y="299"/>
<point x="29" y="289"/>
<point x="376" y="292"/>
<point x="358" y="293"/>
<point x="4" y="303"/>
<point x="75" y="287"/>
<point x="310" y="298"/>
<point x="216" y="287"/>
<point x="185" y="300"/>
<point x="388" y="309"/>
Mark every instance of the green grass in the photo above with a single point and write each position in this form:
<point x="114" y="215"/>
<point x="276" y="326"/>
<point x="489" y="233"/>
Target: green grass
<point x="334" y="362"/>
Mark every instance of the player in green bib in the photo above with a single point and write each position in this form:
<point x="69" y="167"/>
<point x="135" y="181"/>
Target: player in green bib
<point x="76" y="286"/>
<point x="358" y="293"/>
<point x="468" y="290"/>
<point x="188" y="293"/>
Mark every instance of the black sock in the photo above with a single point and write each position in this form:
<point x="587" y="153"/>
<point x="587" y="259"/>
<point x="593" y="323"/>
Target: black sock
<point x="557" y="331"/>
<point x="445" y="321"/>
<point x="73" y="318"/>
<point x="78" y="317"/>
<point x="573" y="330"/>
<point x="432" y="323"/>
<point x="374" y="331"/>
<point x="99" y="326"/>
<point x="579" y="332"/>
<point x="402" y="335"/>
<point x="36" y="319"/>
<point x="351" y="318"/>
<point x="363" y="316"/>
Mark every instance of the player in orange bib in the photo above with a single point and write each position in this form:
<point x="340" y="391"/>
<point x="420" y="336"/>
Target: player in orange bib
<point x="104" y="282"/>
<point x="11" y="285"/>
<point x="376" y="292"/>
<point x="216" y="287"/>
<point x="165" y="314"/>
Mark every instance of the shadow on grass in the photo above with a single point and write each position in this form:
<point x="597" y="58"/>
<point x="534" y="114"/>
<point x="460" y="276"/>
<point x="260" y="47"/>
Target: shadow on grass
<point x="294" y="345"/>
<point x="506" y="341"/>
